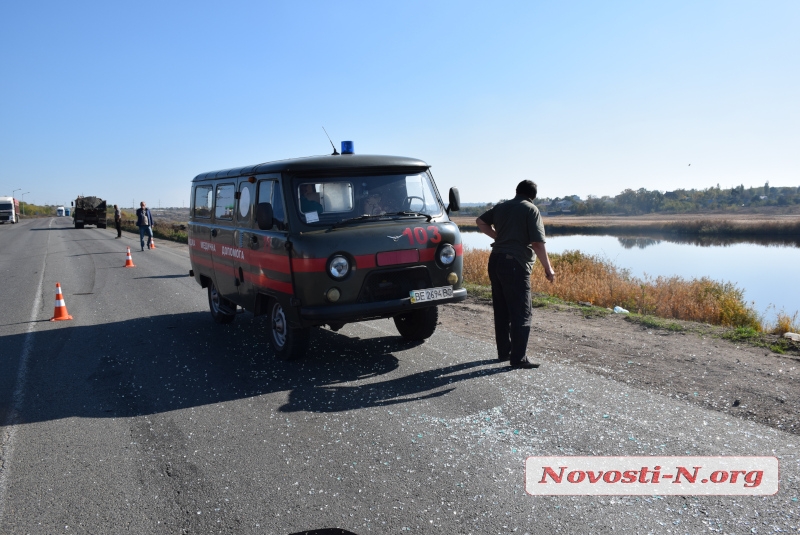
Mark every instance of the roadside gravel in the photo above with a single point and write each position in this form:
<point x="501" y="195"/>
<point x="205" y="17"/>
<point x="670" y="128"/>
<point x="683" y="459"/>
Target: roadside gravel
<point x="694" y="364"/>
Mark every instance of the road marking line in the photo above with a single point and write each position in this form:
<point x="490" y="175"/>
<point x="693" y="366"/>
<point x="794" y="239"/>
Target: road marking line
<point x="10" y="425"/>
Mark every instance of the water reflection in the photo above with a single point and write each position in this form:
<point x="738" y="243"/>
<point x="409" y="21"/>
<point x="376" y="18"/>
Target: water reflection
<point x="646" y="239"/>
<point x="640" y="243"/>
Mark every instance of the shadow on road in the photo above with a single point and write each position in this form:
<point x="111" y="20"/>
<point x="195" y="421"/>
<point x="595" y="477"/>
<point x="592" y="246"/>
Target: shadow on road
<point x="181" y="276"/>
<point x="164" y="363"/>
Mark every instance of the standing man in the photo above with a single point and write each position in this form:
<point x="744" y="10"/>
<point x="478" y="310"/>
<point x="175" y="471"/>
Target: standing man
<point x="518" y="231"/>
<point x="118" y="222"/>
<point x="144" y="220"/>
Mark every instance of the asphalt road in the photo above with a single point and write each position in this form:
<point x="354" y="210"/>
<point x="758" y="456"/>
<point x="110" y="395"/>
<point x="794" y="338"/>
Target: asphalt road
<point x="143" y="416"/>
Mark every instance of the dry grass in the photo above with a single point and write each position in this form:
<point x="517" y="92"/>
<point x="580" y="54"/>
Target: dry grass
<point x="588" y="278"/>
<point x="786" y="324"/>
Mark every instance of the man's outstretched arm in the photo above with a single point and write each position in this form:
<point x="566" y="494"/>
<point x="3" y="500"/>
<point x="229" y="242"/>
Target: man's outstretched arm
<point x="541" y="253"/>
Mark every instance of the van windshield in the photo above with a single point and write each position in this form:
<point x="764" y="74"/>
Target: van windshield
<point x="333" y="200"/>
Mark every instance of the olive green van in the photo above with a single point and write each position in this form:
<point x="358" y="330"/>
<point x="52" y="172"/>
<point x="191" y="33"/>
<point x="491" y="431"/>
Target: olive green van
<point x="326" y="240"/>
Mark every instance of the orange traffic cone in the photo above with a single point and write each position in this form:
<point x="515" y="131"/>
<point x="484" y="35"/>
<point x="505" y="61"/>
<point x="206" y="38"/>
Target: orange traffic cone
<point x="128" y="259"/>
<point x="152" y="243"/>
<point x="60" y="312"/>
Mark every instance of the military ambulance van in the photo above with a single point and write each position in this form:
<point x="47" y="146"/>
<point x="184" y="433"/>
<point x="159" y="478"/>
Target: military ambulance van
<point x="326" y="240"/>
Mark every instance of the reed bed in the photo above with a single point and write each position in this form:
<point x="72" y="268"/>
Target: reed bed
<point x="582" y="277"/>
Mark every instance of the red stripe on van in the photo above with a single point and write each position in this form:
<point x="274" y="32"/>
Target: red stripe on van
<point x="309" y="265"/>
<point x="263" y="281"/>
<point x="459" y="249"/>
<point x="365" y="261"/>
<point x="270" y="261"/>
<point x="391" y="258"/>
<point x="427" y="255"/>
<point x="202" y="261"/>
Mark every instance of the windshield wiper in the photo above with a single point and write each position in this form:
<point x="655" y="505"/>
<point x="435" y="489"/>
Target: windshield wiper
<point x="364" y="217"/>
<point x="414" y="214"/>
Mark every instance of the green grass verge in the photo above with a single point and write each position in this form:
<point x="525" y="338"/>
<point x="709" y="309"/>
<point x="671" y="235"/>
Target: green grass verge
<point x="742" y="334"/>
<point x="476" y="290"/>
<point x="654" y="322"/>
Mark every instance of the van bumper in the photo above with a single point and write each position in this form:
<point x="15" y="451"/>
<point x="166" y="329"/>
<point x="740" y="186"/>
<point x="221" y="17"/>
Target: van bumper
<point x="366" y="311"/>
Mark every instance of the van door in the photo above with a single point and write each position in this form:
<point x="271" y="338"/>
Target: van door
<point x="243" y="239"/>
<point x="270" y="271"/>
<point x="223" y="243"/>
<point x="200" y="230"/>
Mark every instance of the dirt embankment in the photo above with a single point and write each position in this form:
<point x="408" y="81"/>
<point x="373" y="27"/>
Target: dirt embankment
<point x="694" y="364"/>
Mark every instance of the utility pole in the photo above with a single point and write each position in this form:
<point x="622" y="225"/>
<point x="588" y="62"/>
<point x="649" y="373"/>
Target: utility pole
<point x="23" y="202"/>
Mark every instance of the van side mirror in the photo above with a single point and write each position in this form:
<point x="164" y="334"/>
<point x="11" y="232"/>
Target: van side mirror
<point x="455" y="201"/>
<point x="264" y="216"/>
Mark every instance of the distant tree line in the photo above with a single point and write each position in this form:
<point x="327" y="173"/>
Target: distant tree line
<point x="643" y="201"/>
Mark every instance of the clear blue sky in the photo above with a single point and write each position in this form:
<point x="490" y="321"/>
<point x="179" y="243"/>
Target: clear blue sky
<point x="129" y="101"/>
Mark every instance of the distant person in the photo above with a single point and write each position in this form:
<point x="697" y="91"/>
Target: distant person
<point x="144" y="220"/>
<point x="118" y="222"/>
<point x="518" y="231"/>
<point x="309" y="199"/>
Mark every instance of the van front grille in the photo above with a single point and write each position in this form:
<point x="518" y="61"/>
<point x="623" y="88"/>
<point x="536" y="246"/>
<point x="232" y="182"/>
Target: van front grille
<point x="393" y="284"/>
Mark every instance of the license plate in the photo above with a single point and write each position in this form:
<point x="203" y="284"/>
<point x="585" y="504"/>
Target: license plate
<point x="431" y="294"/>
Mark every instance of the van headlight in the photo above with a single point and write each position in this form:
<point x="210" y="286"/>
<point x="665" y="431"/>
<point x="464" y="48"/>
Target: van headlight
<point x="447" y="254"/>
<point x="338" y="267"/>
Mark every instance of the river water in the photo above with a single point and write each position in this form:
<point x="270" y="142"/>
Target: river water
<point x="768" y="274"/>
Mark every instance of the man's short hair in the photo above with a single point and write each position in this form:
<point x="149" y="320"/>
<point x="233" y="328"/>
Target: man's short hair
<point x="527" y="188"/>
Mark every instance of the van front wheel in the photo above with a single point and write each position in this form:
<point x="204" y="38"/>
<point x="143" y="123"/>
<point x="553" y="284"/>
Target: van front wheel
<point x="222" y="310"/>
<point x="418" y="324"/>
<point x="289" y="342"/>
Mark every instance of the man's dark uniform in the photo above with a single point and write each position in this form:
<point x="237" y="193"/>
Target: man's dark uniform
<point x="517" y="223"/>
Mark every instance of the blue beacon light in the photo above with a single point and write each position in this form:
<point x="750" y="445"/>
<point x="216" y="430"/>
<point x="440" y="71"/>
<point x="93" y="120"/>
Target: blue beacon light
<point x="348" y="147"/>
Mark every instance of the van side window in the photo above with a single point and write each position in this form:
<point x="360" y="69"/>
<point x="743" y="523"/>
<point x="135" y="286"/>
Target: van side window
<point x="270" y="191"/>
<point x="277" y="204"/>
<point x="325" y="197"/>
<point x="202" y="201"/>
<point x="223" y="208"/>
<point x="244" y="202"/>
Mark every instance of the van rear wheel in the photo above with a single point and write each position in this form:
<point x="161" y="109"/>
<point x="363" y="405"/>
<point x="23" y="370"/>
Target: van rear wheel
<point x="289" y="343"/>
<point x="417" y="324"/>
<point x="222" y="310"/>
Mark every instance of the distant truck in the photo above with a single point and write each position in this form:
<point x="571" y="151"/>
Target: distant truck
<point x="60" y="211"/>
<point x="89" y="211"/>
<point x="9" y="210"/>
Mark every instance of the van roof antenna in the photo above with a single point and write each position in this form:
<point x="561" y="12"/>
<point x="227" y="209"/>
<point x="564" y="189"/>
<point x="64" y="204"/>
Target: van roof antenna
<point x="332" y="145"/>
